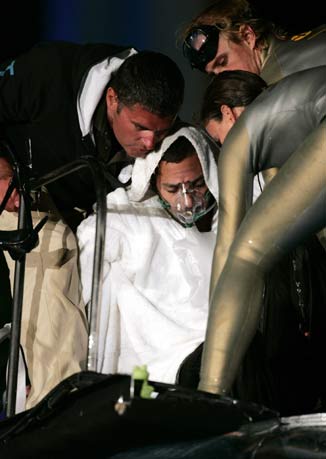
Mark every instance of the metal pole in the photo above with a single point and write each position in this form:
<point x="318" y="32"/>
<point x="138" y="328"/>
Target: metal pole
<point x="18" y="292"/>
<point x="100" y="189"/>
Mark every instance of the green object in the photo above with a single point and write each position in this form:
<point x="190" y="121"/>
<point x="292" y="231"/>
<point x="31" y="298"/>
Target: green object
<point x="146" y="390"/>
<point x="140" y="373"/>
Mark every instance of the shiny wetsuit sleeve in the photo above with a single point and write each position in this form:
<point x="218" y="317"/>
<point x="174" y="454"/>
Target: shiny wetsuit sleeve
<point x="235" y="194"/>
<point x="291" y="208"/>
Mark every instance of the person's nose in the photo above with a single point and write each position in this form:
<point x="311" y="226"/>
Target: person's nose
<point x="149" y="140"/>
<point x="212" y="69"/>
<point x="188" y="200"/>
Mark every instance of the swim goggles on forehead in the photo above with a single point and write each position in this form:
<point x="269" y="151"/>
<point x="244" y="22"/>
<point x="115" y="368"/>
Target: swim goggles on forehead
<point x="200" y="45"/>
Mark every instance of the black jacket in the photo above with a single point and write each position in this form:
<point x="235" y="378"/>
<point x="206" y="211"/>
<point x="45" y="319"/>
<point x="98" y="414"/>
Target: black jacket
<point x="38" y="104"/>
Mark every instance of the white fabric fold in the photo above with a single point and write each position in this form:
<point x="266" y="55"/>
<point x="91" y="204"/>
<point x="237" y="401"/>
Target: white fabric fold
<point x="206" y="150"/>
<point x="93" y="88"/>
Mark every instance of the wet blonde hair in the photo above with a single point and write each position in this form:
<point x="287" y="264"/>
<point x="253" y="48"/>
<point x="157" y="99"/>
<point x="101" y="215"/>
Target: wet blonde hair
<point x="229" y="16"/>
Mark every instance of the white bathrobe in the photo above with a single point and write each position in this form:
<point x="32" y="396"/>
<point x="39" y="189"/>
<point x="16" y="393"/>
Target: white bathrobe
<point x="156" y="273"/>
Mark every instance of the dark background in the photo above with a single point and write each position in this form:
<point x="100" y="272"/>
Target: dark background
<point x="141" y="23"/>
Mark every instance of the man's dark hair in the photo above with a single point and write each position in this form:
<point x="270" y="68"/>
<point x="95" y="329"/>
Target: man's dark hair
<point x="234" y="88"/>
<point x="181" y="149"/>
<point x="152" y="80"/>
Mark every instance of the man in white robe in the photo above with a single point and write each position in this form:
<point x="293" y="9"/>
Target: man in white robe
<point x="157" y="259"/>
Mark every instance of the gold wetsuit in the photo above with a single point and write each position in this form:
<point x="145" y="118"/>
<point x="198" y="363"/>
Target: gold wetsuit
<point x="285" y="127"/>
<point x="281" y="58"/>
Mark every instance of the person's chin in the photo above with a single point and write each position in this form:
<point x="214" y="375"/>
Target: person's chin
<point x="136" y="153"/>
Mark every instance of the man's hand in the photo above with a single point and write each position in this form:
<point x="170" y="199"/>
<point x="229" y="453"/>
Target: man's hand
<point x="5" y="178"/>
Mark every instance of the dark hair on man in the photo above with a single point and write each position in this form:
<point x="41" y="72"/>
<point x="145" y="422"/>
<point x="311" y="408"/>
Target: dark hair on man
<point x="181" y="149"/>
<point x="152" y="80"/>
<point x="234" y="88"/>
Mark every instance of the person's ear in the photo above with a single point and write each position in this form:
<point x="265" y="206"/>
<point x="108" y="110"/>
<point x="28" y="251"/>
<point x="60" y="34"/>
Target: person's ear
<point x="248" y="35"/>
<point x="112" y="100"/>
<point x="227" y="113"/>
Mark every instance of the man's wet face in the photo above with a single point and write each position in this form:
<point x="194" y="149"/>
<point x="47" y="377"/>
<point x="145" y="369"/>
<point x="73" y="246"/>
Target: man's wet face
<point x="235" y="56"/>
<point x="136" y="129"/>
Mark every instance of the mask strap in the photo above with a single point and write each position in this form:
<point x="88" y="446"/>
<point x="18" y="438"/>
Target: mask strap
<point x="164" y="203"/>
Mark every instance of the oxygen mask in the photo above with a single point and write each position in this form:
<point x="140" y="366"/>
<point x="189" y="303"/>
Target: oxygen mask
<point x="190" y="204"/>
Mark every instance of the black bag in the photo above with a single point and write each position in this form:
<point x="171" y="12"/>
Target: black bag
<point x="94" y="414"/>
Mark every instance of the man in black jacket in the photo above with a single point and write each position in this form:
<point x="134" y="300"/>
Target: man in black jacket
<point x="61" y="101"/>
